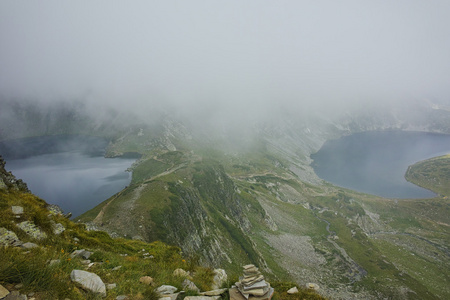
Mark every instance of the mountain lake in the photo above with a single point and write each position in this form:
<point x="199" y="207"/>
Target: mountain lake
<point x="69" y="171"/>
<point x="375" y="162"/>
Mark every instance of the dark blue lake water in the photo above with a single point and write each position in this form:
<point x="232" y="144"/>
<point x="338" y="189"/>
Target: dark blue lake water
<point x="376" y="162"/>
<point x="69" y="171"/>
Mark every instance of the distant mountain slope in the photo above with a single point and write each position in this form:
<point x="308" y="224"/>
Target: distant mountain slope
<point x="228" y="199"/>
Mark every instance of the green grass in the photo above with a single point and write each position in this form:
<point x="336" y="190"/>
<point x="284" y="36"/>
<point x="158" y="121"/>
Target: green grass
<point x="432" y="174"/>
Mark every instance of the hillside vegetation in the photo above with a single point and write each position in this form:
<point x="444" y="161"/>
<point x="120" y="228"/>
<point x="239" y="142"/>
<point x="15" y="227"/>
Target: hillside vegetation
<point x="227" y="209"/>
<point x="432" y="174"/>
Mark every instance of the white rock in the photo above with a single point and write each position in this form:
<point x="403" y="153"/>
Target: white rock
<point x="8" y="238"/>
<point x="220" y="277"/>
<point x="166" y="289"/>
<point x="312" y="286"/>
<point x="189" y="285"/>
<point x="214" y="292"/>
<point x="89" y="281"/>
<point x="28" y="245"/>
<point x="3" y="292"/>
<point x="17" y="210"/>
<point x="111" y="286"/>
<point x="180" y="273"/>
<point x="202" y="298"/>
<point x="58" y="228"/>
<point x="293" y="290"/>
<point x="32" y="230"/>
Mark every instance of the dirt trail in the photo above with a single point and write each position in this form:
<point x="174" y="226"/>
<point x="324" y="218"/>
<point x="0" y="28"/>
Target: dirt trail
<point x="137" y="192"/>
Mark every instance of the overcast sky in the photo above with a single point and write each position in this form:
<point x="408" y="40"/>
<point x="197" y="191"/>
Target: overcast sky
<point x="216" y="53"/>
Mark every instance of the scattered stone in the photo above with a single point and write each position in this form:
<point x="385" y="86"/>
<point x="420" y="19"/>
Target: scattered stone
<point x="117" y="268"/>
<point x="252" y="284"/>
<point x="3" y="292"/>
<point x="180" y="273"/>
<point x="169" y="296"/>
<point x="15" y="295"/>
<point x="220" y="277"/>
<point x="166" y="289"/>
<point x="85" y="262"/>
<point x="8" y="238"/>
<point x="312" y="286"/>
<point x="146" y="280"/>
<point x="189" y="285"/>
<point x="32" y="230"/>
<point x="54" y="262"/>
<point x="18" y="286"/>
<point x="17" y="210"/>
<point x="202" y="298"/>
<point x="89" y="281"/>
<point x="29" y="245"/>
<point x="58" y="228"/>
<point x="293" y="290"/>
<point x="214" y="292"/>
<point x="55" y="209"/>
<point x="90" y="265"/>
<point x="30" y="294"/>
<point x="122" y="297"/>
<point x="111" y="286"/>
<point x="81" y="253"/>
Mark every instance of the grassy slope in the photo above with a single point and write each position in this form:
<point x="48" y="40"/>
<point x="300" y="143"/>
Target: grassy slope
<point x="259" y="183"/>
<point x="432" y="174"/>
<point x="32" y="268"/>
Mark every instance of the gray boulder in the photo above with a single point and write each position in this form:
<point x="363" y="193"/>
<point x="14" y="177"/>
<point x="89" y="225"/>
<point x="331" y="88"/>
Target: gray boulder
<point x="15" y="295"/>
<point x="28" y="245"/>
<point x="166" y="289"/>
<point x="8" y="238"/>
<point x="189" y="285"/>
<point x="220" y="277"/>
<point x="32" y="230"/>
<point x="17" y="210"/>
<point x="3" y="292"/>
<point x="89" y="281"/>
<point x="202" y="298"/>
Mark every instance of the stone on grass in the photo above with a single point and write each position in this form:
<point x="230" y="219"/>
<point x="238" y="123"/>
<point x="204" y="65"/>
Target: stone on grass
<point x="189" y="285"/>
<point x="29" y="245"/>
<point x="146" y="280"/>
<point x="8" y="238"/>
<point x="202" y="298"/>
<point x="180" y="273"/>
<point x="32" y="230"/>
<point x="220" y="277"/>
<point x="214" y="292"/>
<point x="166" y="289"/>
<point x="111" y="286"/>
<point x="58" y="228"/>
<point x="116" y="268"/>
<point x="122" y="297"/>
<point x="312" y="286"/>
<point x="17" y="210"/>
<point x="3" y="291"/>
<point x="81" y="253"/>
<point x="15" y="295"/>
<point x="89" y="281"/>
<point x="293" y="290"/>
<point x="169" y="296"/>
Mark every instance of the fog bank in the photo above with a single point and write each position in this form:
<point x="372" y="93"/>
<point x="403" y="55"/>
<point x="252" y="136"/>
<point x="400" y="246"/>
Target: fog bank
<point x="226" y="56"/>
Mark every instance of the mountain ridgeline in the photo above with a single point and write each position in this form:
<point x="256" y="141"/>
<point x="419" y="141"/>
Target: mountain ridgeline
<point x="228" y="200"/>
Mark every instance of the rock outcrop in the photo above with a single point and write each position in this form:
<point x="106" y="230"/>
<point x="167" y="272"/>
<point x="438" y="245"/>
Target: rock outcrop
<point x="89" y="281"/>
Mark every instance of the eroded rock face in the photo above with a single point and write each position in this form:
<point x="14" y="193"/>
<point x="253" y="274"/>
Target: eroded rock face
<point x="9" y="181"/>
<point x="89" y="281"/>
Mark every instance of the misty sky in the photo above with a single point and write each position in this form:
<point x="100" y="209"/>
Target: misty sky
<point x="213" y="53"/>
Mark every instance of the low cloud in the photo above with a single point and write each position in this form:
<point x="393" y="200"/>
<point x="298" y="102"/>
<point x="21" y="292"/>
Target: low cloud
<point x="221" y="58"/>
